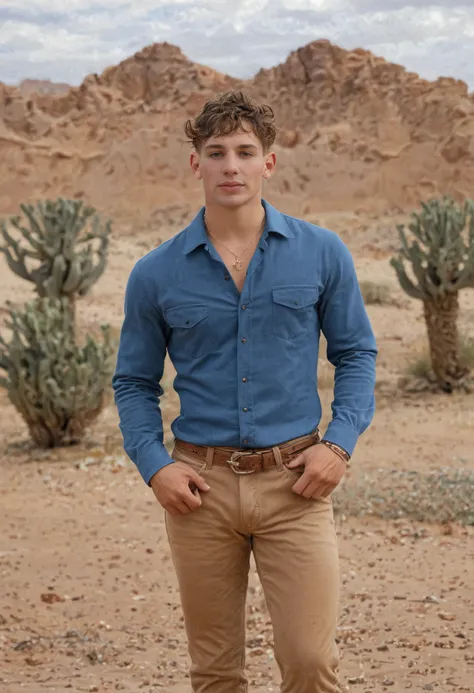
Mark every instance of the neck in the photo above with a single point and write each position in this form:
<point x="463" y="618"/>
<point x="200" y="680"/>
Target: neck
<point x="235" y="223"/>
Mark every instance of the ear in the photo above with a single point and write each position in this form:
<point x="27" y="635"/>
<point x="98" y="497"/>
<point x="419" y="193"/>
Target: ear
<point x="194" y="163"/>
<point x="270" y="165"/>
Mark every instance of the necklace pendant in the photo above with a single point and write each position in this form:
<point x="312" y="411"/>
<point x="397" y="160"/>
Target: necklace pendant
<point x="237" y="264"/>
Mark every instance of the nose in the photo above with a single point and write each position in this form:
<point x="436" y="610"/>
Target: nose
<point x="230" y="165"/>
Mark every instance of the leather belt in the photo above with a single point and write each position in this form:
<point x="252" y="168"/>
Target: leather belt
<point x="244" y="461"/>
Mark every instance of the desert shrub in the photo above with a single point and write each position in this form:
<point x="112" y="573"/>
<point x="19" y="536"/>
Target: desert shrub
<point x="374" y="293"/>
<point x="439" y="249"/>
<point x="58" y="385"/>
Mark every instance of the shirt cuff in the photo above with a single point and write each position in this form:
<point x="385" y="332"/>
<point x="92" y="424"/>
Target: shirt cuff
<point x="152" y="459"/>
<point x="342" y="435"/>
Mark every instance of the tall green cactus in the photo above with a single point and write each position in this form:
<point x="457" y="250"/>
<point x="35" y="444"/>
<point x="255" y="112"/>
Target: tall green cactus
<point x="441" y="255"/>
<point x="59" y="237"/>
<point x="57" y="386"/>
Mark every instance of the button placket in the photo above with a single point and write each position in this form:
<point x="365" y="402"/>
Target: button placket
<point x="244" y="354"/>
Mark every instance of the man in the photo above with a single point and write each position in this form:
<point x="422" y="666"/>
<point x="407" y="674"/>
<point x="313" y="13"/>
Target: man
<point x="238" y="298"/>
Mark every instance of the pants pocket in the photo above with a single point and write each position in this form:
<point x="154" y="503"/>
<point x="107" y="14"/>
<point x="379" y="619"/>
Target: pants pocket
<point x="294" y="474"/>
<point x="197" y="465"/>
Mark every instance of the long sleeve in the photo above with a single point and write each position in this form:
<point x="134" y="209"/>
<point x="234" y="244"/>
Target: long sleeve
<point x="136" y="381"/>
<point x="351" y="348"/>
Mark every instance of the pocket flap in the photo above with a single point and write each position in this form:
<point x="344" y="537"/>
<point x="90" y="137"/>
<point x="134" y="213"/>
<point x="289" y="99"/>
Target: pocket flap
<point x="295" y="296"/>
<point x="185" y="316"/>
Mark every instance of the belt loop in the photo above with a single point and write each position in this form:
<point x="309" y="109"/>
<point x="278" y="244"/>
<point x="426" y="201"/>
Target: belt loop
<point x="277" y="454"/>
<point x="209" y="457"/>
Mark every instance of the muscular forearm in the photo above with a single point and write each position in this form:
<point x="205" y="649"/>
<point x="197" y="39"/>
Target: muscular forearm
<point x="354" y="401"/>
<point x="141" y="424"/>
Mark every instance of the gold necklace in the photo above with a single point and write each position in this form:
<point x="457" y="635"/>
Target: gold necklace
<point x="237" y="262"/>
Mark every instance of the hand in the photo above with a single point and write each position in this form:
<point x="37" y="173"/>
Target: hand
<point x="177" y="487"/>
<point x="323" y="470"/>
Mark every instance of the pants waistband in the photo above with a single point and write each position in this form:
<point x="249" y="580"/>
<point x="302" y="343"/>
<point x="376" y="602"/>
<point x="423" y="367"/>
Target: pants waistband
<point x="247" y="461"/>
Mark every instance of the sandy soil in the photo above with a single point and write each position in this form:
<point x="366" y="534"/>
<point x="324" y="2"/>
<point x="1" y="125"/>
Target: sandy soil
<point x="88" y="598"/>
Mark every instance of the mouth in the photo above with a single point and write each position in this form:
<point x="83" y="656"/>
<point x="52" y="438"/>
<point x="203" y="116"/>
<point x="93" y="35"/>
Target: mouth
<point x="231" y="185"/>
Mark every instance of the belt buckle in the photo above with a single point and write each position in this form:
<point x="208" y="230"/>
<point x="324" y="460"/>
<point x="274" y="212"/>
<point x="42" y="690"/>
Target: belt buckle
<point x="234" y="465"/>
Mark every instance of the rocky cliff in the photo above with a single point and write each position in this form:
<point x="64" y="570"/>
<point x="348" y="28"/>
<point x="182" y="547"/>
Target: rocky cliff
<point x="355" y="133"/>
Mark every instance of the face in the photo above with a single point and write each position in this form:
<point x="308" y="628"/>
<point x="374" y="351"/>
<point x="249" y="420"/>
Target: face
<point x="232" y="168"/>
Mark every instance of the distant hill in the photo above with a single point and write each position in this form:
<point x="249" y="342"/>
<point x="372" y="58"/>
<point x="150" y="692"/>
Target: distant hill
<point x="42" y="86"/>
<point x="355" y="132"/>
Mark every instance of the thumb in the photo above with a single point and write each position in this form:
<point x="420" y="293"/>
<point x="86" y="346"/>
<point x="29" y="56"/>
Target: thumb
<point x="297" y="462"/>
<point x="199" y="481"/>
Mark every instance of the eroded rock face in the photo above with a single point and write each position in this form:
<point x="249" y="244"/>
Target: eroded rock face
<point x="354" y="130"/>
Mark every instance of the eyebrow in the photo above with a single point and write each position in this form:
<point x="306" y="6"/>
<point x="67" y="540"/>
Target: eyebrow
<point x="221" y="146"/>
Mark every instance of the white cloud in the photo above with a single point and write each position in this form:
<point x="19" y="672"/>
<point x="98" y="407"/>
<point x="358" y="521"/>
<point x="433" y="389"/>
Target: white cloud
<point x="66" y="41"/>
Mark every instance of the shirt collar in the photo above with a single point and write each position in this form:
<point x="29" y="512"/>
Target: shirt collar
<point x="196" y="234"/>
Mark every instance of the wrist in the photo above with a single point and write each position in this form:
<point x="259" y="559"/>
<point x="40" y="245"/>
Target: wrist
<point x="338" y="450"/>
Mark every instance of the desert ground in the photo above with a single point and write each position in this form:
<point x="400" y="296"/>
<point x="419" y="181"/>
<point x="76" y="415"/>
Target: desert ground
<point x="89" y="600"/>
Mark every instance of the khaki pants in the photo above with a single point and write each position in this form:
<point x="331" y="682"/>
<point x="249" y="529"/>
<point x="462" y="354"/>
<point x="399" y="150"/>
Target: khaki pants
<point x="294" y="543"/>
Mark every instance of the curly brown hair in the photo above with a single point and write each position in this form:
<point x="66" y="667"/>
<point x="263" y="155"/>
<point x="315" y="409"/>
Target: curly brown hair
<point x="228" y="113"/>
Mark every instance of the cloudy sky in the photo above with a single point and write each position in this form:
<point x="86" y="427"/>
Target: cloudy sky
<point x="64" y="40"/>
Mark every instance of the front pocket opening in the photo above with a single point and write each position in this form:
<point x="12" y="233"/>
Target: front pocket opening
<point x="196" y="465"/>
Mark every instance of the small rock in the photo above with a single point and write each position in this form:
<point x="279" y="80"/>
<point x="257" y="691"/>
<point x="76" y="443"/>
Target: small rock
<point x="50" y="597"/>
<point x="356" y="679"/>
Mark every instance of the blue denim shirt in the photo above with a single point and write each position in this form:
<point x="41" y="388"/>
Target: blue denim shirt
<point x="246" y="362"/>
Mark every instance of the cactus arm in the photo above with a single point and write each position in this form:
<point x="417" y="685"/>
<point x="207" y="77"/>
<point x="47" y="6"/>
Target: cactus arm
<point x="73" y="279"/>
<point x="17" y="265"/>
<point x="405" y="282"/>
<point x="58" y="229"/>
<point x="466" y="277"/>
<point x="441" y="251"/>
<point x="29" y="234"/>
<point x="403" y="241"/>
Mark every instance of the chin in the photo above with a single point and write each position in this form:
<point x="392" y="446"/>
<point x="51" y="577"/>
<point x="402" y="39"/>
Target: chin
<point x="236" y="199"/>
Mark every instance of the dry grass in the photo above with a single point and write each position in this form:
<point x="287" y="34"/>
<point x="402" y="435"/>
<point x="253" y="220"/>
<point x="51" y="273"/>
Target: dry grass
<point x="375" y="294"/>
<point x="444" y="495"/>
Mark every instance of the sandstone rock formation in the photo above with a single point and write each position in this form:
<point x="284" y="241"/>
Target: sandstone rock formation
<point x="355" y="132"/>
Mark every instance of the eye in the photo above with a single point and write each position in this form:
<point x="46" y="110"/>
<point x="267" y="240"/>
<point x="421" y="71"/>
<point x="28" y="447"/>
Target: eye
<point x="214" y="154"/>
<point x="246" y="153"/>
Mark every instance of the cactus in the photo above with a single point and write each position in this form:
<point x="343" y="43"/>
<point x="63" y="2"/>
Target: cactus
<point x="441" y="254"/>
<point x="56" y="230"/>
<point x="57" y="386"/>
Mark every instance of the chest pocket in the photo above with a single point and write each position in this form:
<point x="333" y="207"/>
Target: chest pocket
<point x="293" y="309"/>
<point x="190" y="335"/>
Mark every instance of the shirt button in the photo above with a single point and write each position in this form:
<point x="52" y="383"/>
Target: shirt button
<point x="244" y="380"/>
<point x="245" y="441"/>
<point x="245" y="409"/>
<point x="244" y="307"/>
<point x="227" y="277"/>
<point x="243" y="340"/>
